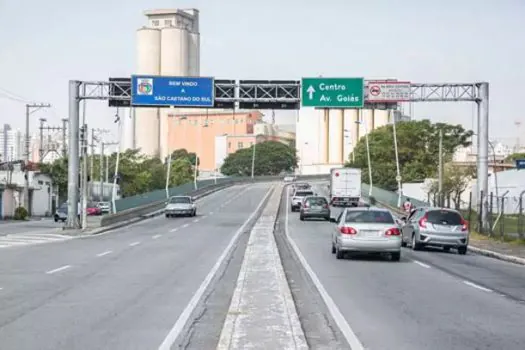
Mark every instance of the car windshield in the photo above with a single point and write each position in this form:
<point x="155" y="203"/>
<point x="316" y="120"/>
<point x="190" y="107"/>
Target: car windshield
<point x="180" y="200"/>
<point x="444" y="217"/>
<point x="303" y="193"/>
<point x="369" y="216"/>
<point x="103" y="204"/>
<point x="317" y="201"/>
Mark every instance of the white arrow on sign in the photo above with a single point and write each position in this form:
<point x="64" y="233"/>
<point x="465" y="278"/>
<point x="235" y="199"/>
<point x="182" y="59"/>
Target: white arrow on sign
<point x="310" y="92"/>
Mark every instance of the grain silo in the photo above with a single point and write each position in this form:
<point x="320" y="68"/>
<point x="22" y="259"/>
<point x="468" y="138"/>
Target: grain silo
<point x="148" y="62"/>
<point x="336" y="140"/>
<point x="381" y="118"/>
<point x="173" y="51"/>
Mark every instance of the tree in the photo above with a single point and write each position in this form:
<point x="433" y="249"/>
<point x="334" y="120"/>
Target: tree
<point x="455" y="182"/>
<point x="271" y="158"/>
<point x="181" y="172"/>
<point x="514" y="156"/>
<point x="58" y="173"/>
<point x="418" y="143"/>
<point x="182" y="153"/>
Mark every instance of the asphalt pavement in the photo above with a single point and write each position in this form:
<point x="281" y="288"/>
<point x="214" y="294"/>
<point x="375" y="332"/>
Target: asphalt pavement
<point x="30" y="226"/>
<point x="125" y="289"/>
<point x="428" y="300"/>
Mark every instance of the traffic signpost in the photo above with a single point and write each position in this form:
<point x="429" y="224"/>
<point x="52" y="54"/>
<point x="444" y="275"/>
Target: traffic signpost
<point x="172" y="91"/>
<point x="332" y="92"/>
<point x="520" y="164"/>
<point x="385" y="91"/>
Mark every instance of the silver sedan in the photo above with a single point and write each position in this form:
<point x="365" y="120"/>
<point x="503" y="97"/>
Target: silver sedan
<point x="366" y="230"/>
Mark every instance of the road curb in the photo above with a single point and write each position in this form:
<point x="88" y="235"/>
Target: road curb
<point x="476" y="250"/>
<point x="496" y="255"/>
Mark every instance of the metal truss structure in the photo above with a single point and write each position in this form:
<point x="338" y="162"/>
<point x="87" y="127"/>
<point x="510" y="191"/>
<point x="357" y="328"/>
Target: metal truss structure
<point x="271" y="94"/>
<point x="264" y="91"/>
<point x="445" y="92"/>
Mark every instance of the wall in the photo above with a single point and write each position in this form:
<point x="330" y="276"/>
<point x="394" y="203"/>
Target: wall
<point x="196" y="132"/>
<point x="42" y="196"/>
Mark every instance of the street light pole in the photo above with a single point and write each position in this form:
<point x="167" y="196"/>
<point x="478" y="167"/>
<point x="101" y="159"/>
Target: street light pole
<point x="368" y="158"/>
<point x="440" y="170"/>
<point x="398" y="171"/>
<point x="253" y="156"/>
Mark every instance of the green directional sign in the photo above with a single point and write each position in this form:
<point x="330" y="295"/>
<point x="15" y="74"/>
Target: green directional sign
<point x="333" y="92"/>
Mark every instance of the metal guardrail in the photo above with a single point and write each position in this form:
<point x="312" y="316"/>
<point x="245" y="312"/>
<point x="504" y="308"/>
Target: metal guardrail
<point x="151" y="202"/>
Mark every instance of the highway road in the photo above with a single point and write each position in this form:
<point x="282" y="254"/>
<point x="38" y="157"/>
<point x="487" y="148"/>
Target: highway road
<point x="429" y="300"/>
<point x="126" y="289"/>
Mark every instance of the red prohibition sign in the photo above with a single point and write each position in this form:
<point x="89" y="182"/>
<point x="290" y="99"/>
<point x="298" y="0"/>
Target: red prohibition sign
<point x="375" y="90"/>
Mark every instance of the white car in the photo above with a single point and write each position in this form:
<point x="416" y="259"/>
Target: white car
<point x="180" y="206"/>
<point x="366" y="230"/>
<point x="289" y="178"/>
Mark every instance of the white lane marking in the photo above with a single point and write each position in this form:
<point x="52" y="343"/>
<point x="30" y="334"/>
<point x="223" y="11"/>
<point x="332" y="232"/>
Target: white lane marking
<point x="156" y="236"/>
<point x="65" y="267"/>
<point x="196" y="220"/>
<point x="188" y="310"/>
<point x="340" y="320"/>
<point x="134" y="244"/>
<point x="211" y="213"/>
<point x="185" y="225"/>
<point x="204" y="217"/>
<point x="174" y="229"/>
<point x="202" y="200"/>
<point x="1" y="288"/>
<point x="422" y="264"/>
<point x="468" y="283"/>
<point x="105" y="253"/>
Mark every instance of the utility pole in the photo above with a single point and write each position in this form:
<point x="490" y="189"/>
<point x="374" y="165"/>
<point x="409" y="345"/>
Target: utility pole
<point x="30" y="109"/>
<point x="84" y="195"/>
<point x="73" y="160"/>
<point x="440" y="170"/>
<point x="41" y="148"/>
<point x="95" y="138"/>
<point x="103" y="179"/>
<point x="64" y="137"/>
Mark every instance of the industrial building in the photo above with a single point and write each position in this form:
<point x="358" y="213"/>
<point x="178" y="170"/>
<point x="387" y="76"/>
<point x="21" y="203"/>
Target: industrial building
<point x="168" y="45"/>
<point x="325" y="137"/>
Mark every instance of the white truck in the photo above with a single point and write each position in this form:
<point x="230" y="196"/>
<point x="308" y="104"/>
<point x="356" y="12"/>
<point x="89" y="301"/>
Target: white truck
<point x="345" y="187"/>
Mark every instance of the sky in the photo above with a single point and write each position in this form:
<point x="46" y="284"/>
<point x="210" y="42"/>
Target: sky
<point x="43" y="44"/>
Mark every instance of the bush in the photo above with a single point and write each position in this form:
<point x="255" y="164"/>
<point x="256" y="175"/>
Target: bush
<point x="21" y="213"/>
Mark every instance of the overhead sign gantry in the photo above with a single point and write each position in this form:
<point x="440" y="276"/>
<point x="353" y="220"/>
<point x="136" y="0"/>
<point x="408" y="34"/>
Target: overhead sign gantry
<point x="269" y="94"/>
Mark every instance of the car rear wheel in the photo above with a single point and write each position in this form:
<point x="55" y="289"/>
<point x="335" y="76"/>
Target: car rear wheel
<point x="56" y="219"/>
<point x="462" y="250"/>
<point x="338" y="254"/>
<point x="415" y="245"/>
<point x="395" y="256"/>
<point x="333" y="248"/>
<point x="195" y="212"/>
<point x="301" y="218"/>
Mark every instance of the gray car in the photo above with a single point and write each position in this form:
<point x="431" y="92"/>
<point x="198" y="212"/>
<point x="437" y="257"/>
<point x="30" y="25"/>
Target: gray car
<point x="314" y="207"/>
<point x="180" y="206"/>
<point x="366" y="230"/>
<point x="439" y="227"/>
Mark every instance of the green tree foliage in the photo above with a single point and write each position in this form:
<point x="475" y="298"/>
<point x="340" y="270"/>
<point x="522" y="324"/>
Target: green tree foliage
<point x="456" y="180"/>
<point x="58" y="173"/>
<point x="418" y="143"/>
<point x="514" y="156"/>
<point x="138" y="173"/>
<point x="271" y="158"/>
<point x="184" y="154"/>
